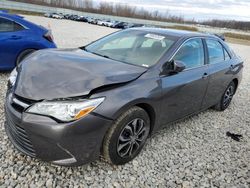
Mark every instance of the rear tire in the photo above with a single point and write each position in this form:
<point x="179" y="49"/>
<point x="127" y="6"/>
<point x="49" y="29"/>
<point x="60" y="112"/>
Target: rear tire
<point x="226" y="97"/>
<point x="126" y="137"/>
<point x="23" y="54"/>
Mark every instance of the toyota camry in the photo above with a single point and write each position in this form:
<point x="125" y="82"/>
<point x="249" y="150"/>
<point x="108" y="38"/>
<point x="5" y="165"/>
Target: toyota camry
<point x="70" y="106"/>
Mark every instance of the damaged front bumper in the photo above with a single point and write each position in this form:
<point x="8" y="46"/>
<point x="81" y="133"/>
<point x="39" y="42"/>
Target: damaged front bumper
<point x="68" y="144"/>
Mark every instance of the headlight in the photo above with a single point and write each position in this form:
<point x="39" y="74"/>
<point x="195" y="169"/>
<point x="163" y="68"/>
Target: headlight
<point x="65" y="110"/>
<point x="12" y="77"/>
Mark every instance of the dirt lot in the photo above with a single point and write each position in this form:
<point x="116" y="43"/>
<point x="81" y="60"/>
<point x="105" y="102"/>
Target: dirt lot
<point x="193" y="153"/>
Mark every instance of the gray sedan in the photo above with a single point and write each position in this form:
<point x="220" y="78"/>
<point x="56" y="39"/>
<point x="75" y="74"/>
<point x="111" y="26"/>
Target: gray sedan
<point x="71" y="106"/>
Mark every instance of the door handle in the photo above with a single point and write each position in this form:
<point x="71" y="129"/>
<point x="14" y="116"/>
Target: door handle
<point x="15" y="37"/>
<point x="205" y="75"/>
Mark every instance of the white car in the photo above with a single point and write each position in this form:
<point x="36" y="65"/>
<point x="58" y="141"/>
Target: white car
<point x="111" y="23"/>
<point x="104" y="23"/>
<point x="57" y="16"/>
<point x="48" y="15"/>
<point x="101" y="22"/>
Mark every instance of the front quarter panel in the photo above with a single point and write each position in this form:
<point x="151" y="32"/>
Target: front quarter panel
<point x="144" y="90"/>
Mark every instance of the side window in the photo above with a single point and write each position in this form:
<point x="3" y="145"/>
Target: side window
<point x="17" y="27"/>
<point x="9" y="26"/>
<point x="121" y="43"/>
<point x="215" y="51"/>
<point x="227" y="57"/>
<point x="191" y="54"/>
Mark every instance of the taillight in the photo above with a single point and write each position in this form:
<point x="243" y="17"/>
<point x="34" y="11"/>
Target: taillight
<point x="49" y="36"/>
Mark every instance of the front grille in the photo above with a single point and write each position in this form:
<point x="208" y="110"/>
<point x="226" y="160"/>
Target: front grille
<point x="20" y="104"/>
<point x="19" y="137"/>
<point x="24" y="100"/>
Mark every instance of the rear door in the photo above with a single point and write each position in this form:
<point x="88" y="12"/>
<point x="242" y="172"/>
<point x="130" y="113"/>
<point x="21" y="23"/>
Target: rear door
<point x="220" y="66"/>
<point x="183" y="92"/>
<point x="11" y="42"/>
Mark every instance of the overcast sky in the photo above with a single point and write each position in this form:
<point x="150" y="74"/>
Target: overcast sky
<point x="198" y="9"/>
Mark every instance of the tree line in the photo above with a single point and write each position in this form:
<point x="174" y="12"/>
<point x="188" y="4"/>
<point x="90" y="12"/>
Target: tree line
<point x="116" y="9"/>
<point x="232" y="24"/>
<point x="125" y="10"/>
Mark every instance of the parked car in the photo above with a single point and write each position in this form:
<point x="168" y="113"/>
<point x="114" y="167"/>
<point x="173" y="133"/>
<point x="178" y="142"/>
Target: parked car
<point x="57" y="16"/>
<point x="103" y="22"/>
<point x="81" y="19"/>
<point x="111" y="23"/>
<point x="18" y="38"/>
<point x="48" y="15"/>
<point x="68" y="106"/>
<point x="92" y="20"/>
<point x="96" y="21"/>
<point x="73" y="17"/>
<point x="100" y="22"/>
<point x="67" y="16"/>
<point x="120" y="25"/>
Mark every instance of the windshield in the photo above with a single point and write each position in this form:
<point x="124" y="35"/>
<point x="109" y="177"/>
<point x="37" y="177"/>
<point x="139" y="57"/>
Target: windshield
<point x="132" y="46"/>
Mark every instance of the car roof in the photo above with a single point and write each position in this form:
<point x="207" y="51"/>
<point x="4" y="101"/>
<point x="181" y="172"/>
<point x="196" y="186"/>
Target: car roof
<point x="174" y="32"/>
<point x="11" y="16"/>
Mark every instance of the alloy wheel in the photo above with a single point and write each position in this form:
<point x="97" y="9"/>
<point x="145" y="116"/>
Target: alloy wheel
<point x="228" y="96"/>
<point x="131" y="138"/>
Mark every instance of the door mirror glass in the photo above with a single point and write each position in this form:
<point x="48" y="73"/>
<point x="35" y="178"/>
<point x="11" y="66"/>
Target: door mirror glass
<point x="178" y="66"/>
<point x="174" y="67"/>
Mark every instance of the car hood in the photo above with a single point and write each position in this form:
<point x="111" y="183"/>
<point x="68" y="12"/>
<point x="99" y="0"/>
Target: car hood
<point x="54" y="74"/>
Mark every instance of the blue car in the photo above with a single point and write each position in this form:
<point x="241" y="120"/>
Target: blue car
<point x="19" y="38"/>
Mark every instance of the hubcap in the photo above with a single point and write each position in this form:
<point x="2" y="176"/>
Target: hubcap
<point x="228" y="96"/>
<point x="131" y="138"/>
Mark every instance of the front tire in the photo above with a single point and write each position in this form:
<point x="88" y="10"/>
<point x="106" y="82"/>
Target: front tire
<point x="126" y="137"/>
<point x="226" y="97"/>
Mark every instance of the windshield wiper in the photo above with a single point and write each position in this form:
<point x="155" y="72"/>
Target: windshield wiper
<point x="84" y="48"/>
<point x="100" y="55"/>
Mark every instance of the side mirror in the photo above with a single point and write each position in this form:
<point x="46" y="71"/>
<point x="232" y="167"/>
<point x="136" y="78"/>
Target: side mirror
<point x="173" y="67"/>
<point x="178" y="66"/>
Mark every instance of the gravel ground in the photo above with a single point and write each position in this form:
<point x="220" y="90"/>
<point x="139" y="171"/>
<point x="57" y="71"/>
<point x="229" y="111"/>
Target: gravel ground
<point x="192" y="153"/>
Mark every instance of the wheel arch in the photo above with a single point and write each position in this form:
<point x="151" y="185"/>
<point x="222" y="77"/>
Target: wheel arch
<point x="22" y="51"/>
<point x="151" y="113"/>
<point x="236" y="82"/>
<point x="146" y="106"/>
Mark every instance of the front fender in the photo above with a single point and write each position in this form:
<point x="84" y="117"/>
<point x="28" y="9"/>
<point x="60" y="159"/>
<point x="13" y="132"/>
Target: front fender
<point x="137" y="93"/>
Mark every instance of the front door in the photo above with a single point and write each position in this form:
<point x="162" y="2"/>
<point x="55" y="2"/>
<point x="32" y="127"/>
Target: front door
<point x="183" y="92"/>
